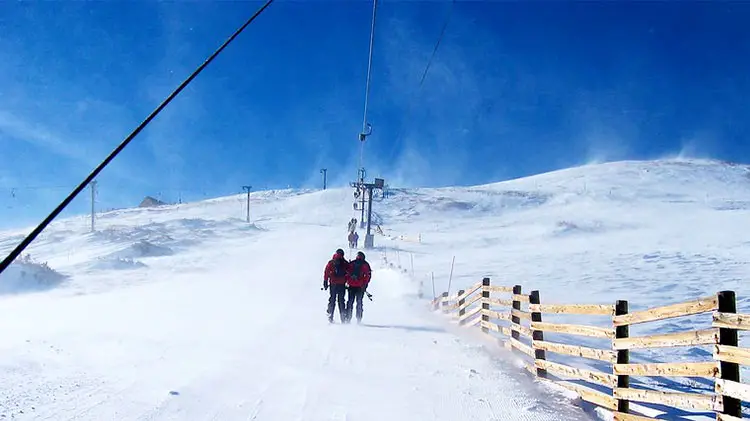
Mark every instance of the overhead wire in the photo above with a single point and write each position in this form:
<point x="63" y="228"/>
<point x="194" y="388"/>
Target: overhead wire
<point x="422" y="79"/>
<point x="29" y="238"/>
<point x="365" y="131"/>
<point x="14" y="190"/>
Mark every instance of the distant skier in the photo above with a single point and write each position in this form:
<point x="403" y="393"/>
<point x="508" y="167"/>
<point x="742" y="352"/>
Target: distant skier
<point x="355" y="239"/>
<point x="359" y="276"/>
<point x="350" y="238"/>
<point x="336" y="273"/>
<point x="352" y="225"/>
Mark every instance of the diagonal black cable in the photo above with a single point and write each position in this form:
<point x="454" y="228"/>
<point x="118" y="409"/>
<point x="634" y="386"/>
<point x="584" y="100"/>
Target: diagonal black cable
<point x="26" y="241"/>
<point x="421" y="81"/>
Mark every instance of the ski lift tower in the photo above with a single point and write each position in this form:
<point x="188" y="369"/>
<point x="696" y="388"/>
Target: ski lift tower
<point x="368" y="188"/>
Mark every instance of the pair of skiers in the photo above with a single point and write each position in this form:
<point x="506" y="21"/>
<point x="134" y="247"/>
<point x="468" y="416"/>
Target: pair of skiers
<point x="340" y="275"/>
<point x="353" y="239"/>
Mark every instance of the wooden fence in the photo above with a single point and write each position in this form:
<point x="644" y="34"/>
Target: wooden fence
<point x="500" y="310"/>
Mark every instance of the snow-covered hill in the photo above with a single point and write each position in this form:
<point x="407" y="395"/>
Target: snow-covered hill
<point x="652" y="233"/>
<point x="624" y="230"/>
<point x="229" y="316"/>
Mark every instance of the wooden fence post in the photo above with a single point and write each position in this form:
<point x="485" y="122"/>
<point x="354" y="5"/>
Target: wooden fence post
<point x="461" y="301"/>
<point x="537" y="335"/>
<point x="623" y="356"/>
<point x="515" y="320"/>
<point x="485" y="303"/>
<point x="729" y="371"/>
<point x="443" y="302"/>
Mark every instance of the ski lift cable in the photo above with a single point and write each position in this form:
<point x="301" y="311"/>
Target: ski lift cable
<point x="422" y="79"/>
<point x="366" y="128"/>
<point x="19" y="188"/>
<point x="26" y="241"/>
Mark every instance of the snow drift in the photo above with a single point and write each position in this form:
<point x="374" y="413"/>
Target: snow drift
<point x="26" y="275"/>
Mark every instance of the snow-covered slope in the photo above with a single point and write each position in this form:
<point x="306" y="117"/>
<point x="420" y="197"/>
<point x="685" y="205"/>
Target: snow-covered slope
<point x="188" y="312"/>
<point x="627" y="230"/>
<point x="229" y="316"/>
<point x="652" y="233"/>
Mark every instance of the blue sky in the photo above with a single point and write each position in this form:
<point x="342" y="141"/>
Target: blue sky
<point x="516" y="88"/>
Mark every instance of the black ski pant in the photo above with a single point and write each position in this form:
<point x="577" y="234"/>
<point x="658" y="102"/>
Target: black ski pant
<point x="337" y="295"/>
<point x="357" y="293"/>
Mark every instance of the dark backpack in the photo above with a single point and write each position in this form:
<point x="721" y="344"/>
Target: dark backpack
<point x="339" y="268"/>
<point x="357" y="268"/>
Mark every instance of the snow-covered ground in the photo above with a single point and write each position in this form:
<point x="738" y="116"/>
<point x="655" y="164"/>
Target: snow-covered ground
<point x="189" y="312"/>
<point x="652" y="233"/>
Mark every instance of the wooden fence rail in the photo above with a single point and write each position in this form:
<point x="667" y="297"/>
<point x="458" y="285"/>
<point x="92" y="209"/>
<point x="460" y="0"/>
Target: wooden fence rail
<point x="500" y="310"/>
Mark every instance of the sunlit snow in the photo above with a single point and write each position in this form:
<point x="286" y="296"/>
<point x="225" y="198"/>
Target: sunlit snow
<point x="189" y="312"/>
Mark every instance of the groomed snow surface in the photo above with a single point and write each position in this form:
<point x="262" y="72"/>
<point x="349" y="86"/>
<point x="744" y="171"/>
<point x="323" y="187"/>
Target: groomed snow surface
<point x="188" y="312"/>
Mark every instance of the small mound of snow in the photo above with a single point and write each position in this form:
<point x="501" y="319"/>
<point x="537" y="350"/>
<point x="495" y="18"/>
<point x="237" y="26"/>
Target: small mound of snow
<point x="142" y="248"/>
<point x="152" y="232"/>
<point x="197" y="223"/>
<point x="445" y="204"/>
<point x="28" y="276"/>
<point x="250" y="227"/>
<point x="568" y="227"/>
<point x="732" y="205"/>
<point x="117" y="263"/>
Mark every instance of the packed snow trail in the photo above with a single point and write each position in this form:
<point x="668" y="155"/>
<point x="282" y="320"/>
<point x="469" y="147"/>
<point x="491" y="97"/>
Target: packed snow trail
<point x="245" y="336"/>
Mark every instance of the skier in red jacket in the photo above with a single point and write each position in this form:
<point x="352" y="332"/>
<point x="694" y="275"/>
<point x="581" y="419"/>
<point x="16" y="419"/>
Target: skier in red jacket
<point x="336" y="273"/>
<point x="359" y="276"/>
